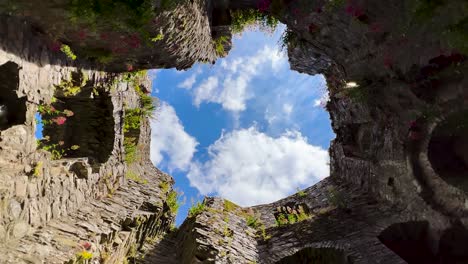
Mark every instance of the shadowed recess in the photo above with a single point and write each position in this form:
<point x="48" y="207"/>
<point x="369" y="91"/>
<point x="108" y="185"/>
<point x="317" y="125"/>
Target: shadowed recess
<point x="448" y="150"/>
<point x="89" y="132"/>
<point x="317" y="256"/>
<point x="12" y="107"/>
<point x="410" y="241"/>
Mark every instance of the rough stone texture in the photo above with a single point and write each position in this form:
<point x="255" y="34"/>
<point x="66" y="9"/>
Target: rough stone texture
<point x="185" y="30"/>
<point x="52" y="210"/>
<point x="410" y="80"/>
<point x="219" y="234"/>
<point x="386" y="201"/>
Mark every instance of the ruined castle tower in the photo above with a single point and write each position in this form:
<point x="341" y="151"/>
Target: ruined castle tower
<point x="87" y="193"/>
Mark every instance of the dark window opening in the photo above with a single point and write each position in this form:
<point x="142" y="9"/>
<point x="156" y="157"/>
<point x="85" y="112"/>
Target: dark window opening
<point x="410" y="241"/>
<point x="12" y="107"/>
<point x="317" y="256"/>
<point x="79" y="124"/>
<point x="448" y="150"/>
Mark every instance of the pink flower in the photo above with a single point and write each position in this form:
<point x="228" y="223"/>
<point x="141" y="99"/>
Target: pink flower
<point x="129" y="67"/>
<point x="61" y="142"/>
<point x="59" y="120"/>
<point x="86" y="245"/>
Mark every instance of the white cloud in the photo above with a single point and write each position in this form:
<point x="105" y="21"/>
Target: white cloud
<point x="235" y="79"/>
<point x="168" y="137"/>
<point x="287" y="108"/>
<point x="206" y="91"/>
<point x="189" y="82"/>
<point x="250" y="167"/>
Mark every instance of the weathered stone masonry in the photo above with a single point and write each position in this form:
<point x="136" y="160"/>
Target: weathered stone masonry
<point x="397" y="190"/>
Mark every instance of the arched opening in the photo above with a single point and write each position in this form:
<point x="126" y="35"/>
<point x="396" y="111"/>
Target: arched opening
<point x="79" y="124"/>
<point x="317" y="256"/>
<point x="12" y="107"/>
<point x="410" y="241"/>
<point x="448" y="150"/>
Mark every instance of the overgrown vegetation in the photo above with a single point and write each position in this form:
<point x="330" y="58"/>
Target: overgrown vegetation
<point x="74" y="85"/>
<point x="290" y="38"/>
<point x="292" y="218"/>
<point x="196" y="209"/>
<point x="164" y="186"/>
<point x="134" y="15"/>
<point x="135" y="177"/>
<point x="172" y="202"/>
<point x="132" y="123"/>
<point x="255" y="222"/>
<point x="336" y="198"/>
<point x="252" y="18"/>
<point x="219" y="45"/>
<point x="37" y="172"/>
<point x="68" y="52"/>
<point x="301" y="193"/>
<point x="230" y="206"/>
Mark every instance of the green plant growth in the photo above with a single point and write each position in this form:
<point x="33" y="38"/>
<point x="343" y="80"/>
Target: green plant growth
<point x="134" y="16"/>
<point x="196" y="209"/>
<point x="131" y="127"/>
<point x="73" y="86"/>
<point x="336" y="198"/>
<point x="301" y="193"/>
<point x="68" y="52"/>
<point x="132" y="120"/>
<point x="158" y="37"/>
<point x="135" y="177"/>
<point x="55" y="149"/>
<point x="37" y="172"/>
<point x="257" y="224"/>
<point x="172" y="202"/>
<point x="164" y="186"/>
<point x="289" y="38"/>
<point x="252" y="18"/>
<point x="219" y="45"/>
<point x="253" y="222"/>
<point x="230" y="206"/>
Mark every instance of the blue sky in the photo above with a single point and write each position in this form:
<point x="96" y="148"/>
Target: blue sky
<point x="247" y="128"/>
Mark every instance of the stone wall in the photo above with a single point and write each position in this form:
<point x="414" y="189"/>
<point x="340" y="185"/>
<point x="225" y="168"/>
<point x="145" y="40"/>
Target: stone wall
<point x="397" y="87"/>
<point x="397" y="83"/>
<point x="176" y="37"/>
<point x="55" y="207"/>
